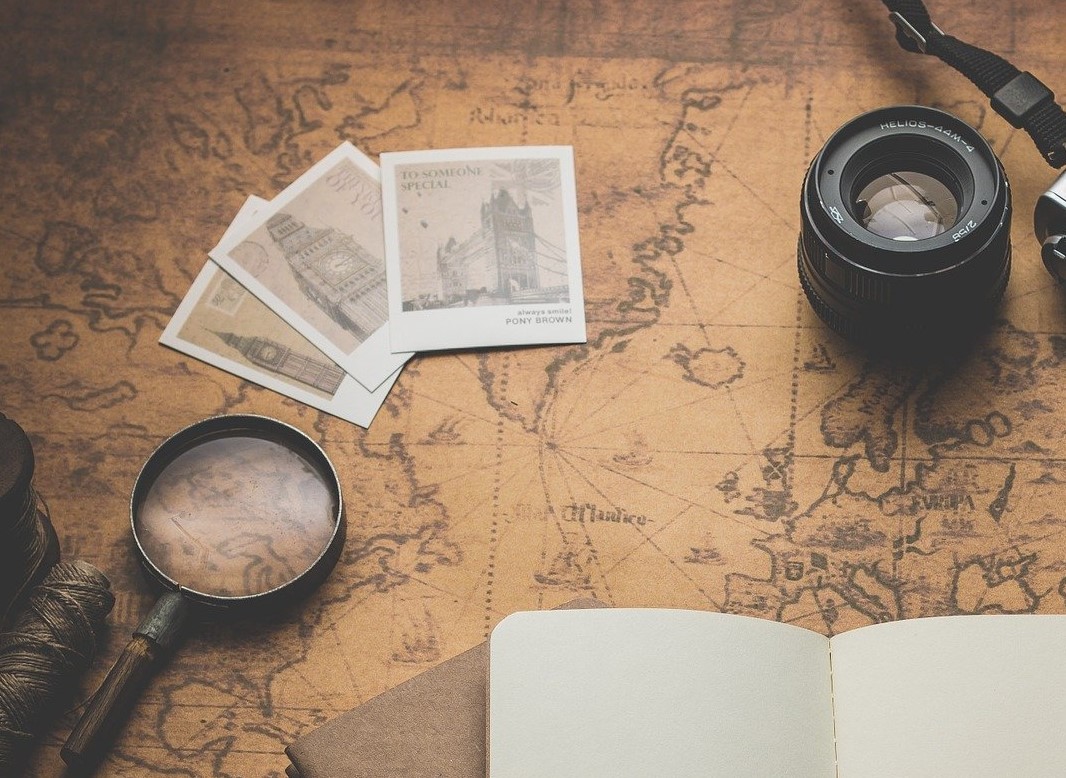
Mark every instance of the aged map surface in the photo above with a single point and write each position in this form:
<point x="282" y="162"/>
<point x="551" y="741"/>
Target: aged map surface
<point x="712" y="445"/>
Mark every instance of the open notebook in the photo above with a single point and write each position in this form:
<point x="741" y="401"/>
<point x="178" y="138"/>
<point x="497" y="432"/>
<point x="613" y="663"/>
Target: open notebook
<point x="643" y="692"/>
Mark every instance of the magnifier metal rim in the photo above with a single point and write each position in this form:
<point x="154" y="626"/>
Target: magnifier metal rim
<point x="214" y="428"/>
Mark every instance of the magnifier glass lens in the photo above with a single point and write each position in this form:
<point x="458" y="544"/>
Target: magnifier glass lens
<point x="236" y="516"/>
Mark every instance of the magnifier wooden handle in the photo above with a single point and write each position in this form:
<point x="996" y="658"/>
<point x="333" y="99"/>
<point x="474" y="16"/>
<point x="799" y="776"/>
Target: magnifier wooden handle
<point x="108" y="708"/>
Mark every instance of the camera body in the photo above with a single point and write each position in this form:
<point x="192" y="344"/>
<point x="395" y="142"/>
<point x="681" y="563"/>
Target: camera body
<point x="1049" y="222"/>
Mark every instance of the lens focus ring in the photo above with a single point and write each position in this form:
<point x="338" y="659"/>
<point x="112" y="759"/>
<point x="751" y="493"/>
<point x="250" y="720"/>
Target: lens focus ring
<point x="905" y="227"/>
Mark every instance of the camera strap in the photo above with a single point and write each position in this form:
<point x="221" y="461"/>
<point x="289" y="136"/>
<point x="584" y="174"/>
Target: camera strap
<point x="1017" y="96"/>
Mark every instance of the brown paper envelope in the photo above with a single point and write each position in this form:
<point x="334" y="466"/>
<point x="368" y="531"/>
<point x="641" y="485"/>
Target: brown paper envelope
<point x="431" y="726"/>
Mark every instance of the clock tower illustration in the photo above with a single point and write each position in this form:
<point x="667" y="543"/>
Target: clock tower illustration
<point x="270" y="355"/>
<point x="334" y="272"/>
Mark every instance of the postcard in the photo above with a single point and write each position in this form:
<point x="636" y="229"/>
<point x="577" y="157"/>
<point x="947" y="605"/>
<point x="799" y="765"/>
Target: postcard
<point x="221" y="323"/>
<point x="315" y="256"/>
<point x="481" y="248"/>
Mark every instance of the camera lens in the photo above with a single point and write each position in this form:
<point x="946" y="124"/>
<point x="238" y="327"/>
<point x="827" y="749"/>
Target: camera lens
<point x="905" y="232"/>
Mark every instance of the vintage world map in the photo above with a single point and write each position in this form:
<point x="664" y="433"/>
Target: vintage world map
<point x="712" y="446"/>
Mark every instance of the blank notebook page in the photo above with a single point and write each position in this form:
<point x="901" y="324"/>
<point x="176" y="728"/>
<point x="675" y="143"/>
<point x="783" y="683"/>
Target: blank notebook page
<point x="619" y="693"/>
<point x="952" y="697"/>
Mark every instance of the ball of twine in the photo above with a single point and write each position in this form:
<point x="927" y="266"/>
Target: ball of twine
<point x="52" y="642"/>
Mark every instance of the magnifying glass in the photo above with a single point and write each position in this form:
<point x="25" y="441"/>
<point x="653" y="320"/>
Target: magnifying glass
<point x="233" y="515"/>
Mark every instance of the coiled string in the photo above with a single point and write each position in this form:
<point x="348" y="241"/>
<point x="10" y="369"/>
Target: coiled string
<point x="52" y="641"/>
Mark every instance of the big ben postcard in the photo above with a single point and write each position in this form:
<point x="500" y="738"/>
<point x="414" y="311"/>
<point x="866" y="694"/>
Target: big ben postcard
<point x="315" y="256"/>
<point x="481" y="248"/>
<point x="219" y="322"/>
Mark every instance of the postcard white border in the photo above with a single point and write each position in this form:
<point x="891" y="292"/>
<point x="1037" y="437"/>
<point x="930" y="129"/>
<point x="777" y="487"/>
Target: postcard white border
<point x="351" y="402"/>
<point x="372" y="361"/>
<point x="493" y="325"/>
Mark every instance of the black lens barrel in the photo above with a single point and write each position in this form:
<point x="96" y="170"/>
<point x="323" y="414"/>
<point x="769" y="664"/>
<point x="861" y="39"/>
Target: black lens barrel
<point x="902" y="291"/>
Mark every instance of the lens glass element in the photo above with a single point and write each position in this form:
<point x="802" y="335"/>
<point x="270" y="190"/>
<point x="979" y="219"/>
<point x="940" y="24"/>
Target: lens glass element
<point x="906" y="205"/>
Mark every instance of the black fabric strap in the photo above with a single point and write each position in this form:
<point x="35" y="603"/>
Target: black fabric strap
<point x="1017" y="96"/>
